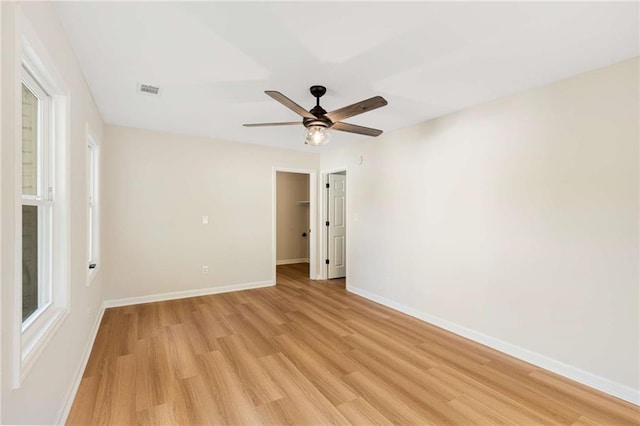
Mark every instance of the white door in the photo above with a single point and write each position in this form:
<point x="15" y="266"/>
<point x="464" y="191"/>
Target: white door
<point x="337" y="228"/>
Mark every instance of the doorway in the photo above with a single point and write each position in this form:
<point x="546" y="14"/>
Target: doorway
<point x="336" y="224"/>
<point x="294" y="193"/>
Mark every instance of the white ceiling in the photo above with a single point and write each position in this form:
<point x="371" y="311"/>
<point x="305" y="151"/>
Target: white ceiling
<point x="213" y="61"/>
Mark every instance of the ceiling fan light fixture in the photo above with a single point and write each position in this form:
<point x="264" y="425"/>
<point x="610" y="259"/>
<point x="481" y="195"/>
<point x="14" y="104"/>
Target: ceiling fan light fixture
<point x="317" y="135"/>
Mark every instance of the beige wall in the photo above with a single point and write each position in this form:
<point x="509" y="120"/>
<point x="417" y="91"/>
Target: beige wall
<point x="516" y="219"/>
<point x="292" y="218"/>
<point x="158" y="187"/>
<point x="44" y="391"/>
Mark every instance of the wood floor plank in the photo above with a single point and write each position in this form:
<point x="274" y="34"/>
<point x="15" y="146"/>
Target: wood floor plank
<point x="301" y="323"/>
<point x="163" y="414"/>
<point x="585" y="400"/>
<point x="305" y="399"/>
<point x="404" y="356"/>
<point x="194" y="404"/>
<point x="99" y="352"/>
<point x="265" y="328"/>
<point x="377" y="358"/>
<point x="255" y="379"/>
<point x="420" y="397"/>
<point x="315" y="367"/>
<point x="154" y="378"/>
<point x="478" y="413"/>
<point x="215" y="324"/>
<point x="257" y="343"/>
<point x="309" y="352"/>
<point x="326" y="318"/>
<point x="268" y="312"/>
<point x="279" y="412"/>
<point x="385" y="399"/>
<point x="226" y="389"/>
<point x="182" y="362"/>
<point x="198" y="332"/>
<point x="85" y="403"/>
<point x="360" y="412"/>
<point x="485" y="394"/>
<point x="106" y="388"/>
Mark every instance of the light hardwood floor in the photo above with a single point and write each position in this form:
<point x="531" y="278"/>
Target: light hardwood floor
<point x="308" y="352"/>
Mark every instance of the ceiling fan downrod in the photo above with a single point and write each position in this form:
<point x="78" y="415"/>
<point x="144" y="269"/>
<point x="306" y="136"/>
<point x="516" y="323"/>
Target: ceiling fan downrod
<point x="318" y="92"/>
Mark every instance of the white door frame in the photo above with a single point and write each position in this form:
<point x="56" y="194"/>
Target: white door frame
<point x="323" y="215"/>
<point x="312" y="217"/>
<point x="1" y="239"/>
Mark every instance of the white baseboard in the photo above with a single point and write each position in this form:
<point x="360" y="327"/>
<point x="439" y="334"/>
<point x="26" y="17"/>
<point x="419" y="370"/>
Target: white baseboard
<point x="586" y="378"/>
<point x="71" y="394"/>
<point x="291" y="261"/>
<point x="184" y="294"/>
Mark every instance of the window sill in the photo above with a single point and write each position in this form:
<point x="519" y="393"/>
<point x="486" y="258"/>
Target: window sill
<point x="35" y="338"/>
<point x="91" y="275"/>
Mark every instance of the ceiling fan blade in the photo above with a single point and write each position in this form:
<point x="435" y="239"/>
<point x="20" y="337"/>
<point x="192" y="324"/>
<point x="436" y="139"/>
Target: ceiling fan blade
<point x="357" y="108"/>
<point x="286" y="123"/>
<point x="352" y="128"/>
<point x="289" y="104"/>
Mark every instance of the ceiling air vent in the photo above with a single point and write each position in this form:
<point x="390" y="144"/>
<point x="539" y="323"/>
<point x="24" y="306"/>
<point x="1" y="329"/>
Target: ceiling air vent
<point x="148" y="89"/>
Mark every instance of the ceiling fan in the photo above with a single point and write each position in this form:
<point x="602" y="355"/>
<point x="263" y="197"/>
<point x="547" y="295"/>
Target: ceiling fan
<point x="317" y="121"/>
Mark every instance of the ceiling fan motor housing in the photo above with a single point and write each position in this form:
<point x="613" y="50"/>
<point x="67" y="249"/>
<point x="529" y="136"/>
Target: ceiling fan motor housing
<point x="321" y="121"/>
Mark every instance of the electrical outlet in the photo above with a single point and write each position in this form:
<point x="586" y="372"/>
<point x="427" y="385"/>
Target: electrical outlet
<point x="205" y="220"/>
<point x="205" y="269"/>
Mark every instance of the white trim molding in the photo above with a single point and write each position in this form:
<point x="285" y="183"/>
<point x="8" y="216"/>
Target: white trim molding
<point x="1" y="135"/>
<point x="291" y="261"/>
<point x="581" y="376"/>
<point x="93" y="144"/>
<point x="63" y="413"/>
<point x="185" y="294"/>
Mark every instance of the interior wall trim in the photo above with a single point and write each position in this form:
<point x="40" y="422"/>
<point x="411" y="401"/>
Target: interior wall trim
<point x="292" y="261"/>
<point x="184" y="294"/>
<point x="63" y="413"/>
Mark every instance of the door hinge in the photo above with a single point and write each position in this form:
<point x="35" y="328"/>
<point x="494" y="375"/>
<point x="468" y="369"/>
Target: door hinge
<point x="327" y="186"/>
<point x="326" y="261"/>
<point x="326" y="223"/>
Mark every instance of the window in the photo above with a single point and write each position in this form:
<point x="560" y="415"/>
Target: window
<point x="42" y="206"/>
<point x="92" y="193"/>
<point x="37" y="199"/>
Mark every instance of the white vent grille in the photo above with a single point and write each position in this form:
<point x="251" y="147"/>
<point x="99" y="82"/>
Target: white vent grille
<point x="148" y="89"/>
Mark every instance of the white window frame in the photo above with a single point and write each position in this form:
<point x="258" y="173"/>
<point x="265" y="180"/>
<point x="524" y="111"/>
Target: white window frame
<point x="43" y="199"/>
<point x="31" y="337"/>
<point x="93" y="209"/>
